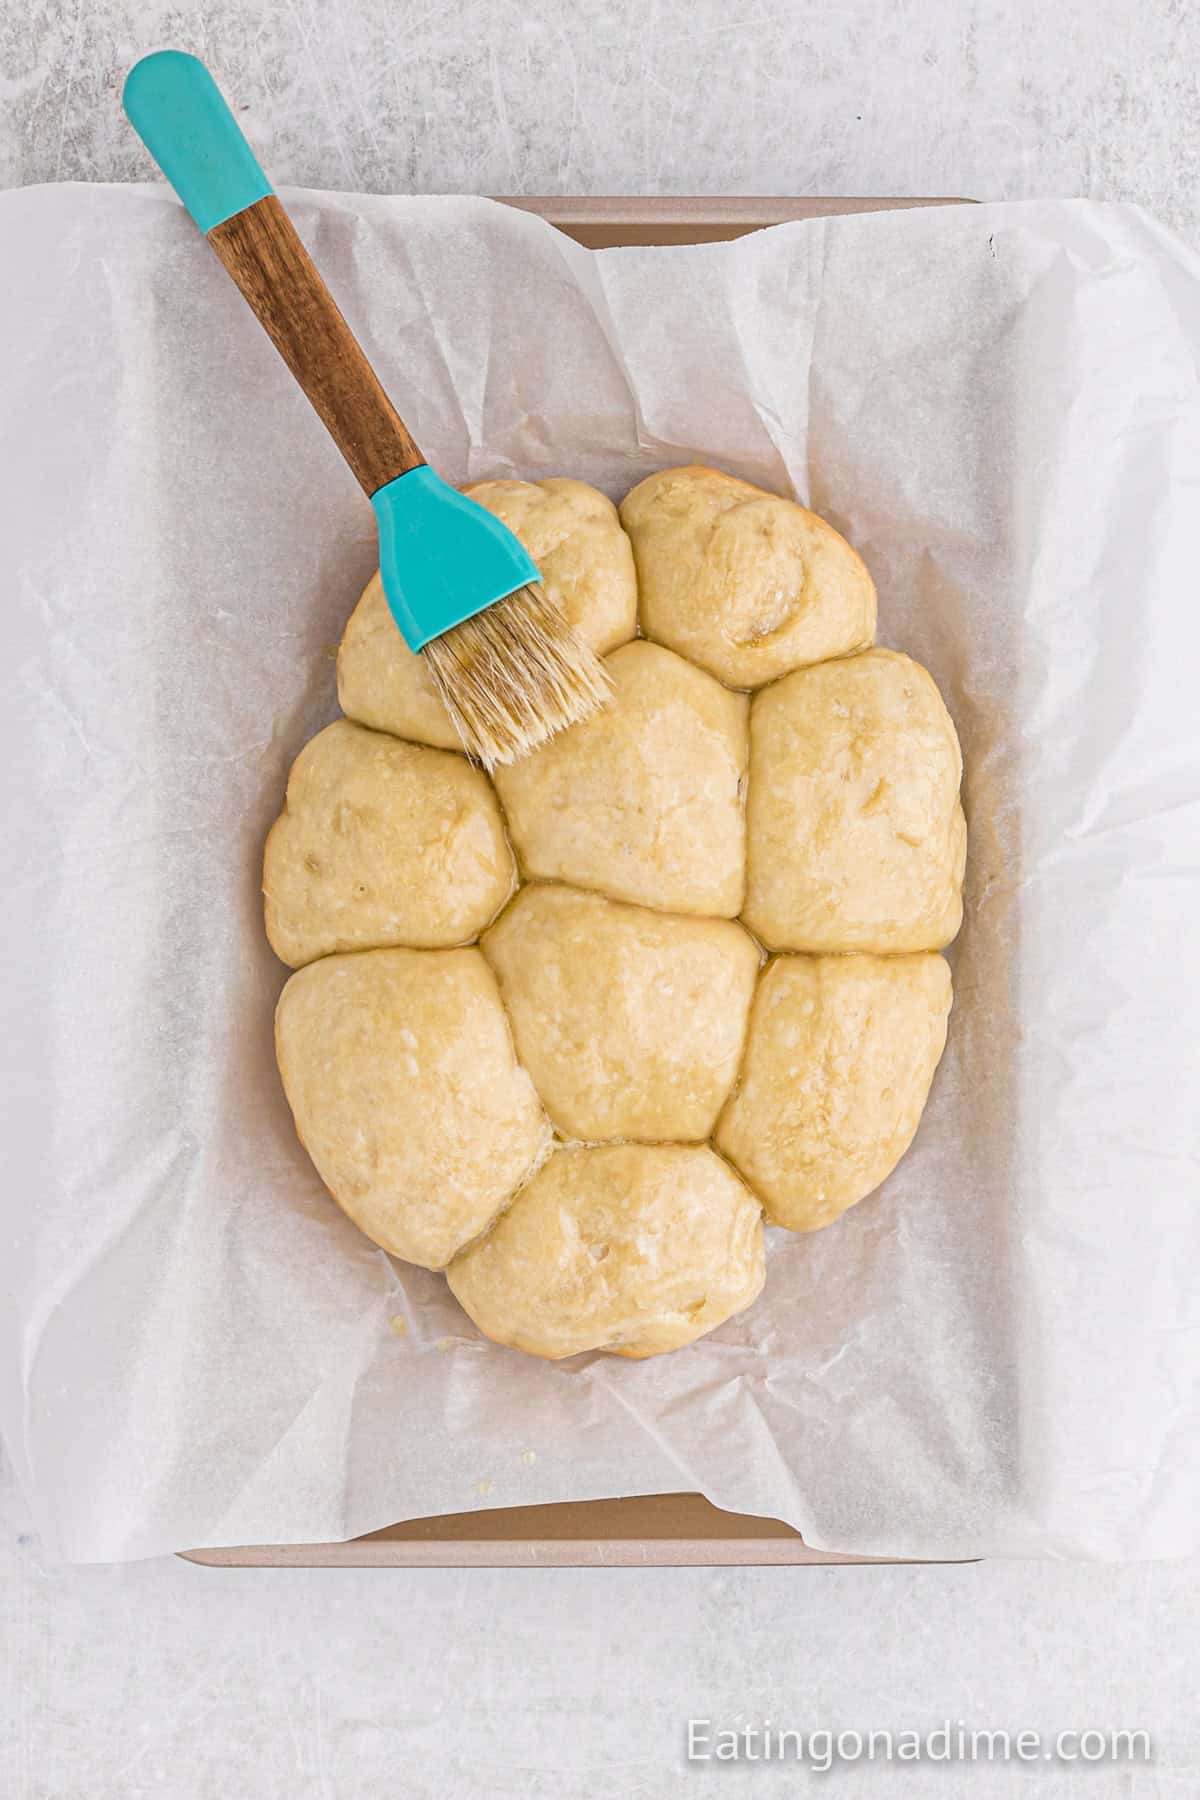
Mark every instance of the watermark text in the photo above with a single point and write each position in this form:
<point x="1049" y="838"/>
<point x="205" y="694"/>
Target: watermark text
<point x="952" y="1741"/>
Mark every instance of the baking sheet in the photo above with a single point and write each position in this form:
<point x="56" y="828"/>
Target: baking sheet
<point x="649" y="1531"/>
<point x="998" y="404"/>
<point x="645" y="1530"/>
<point x="615" y="221"/>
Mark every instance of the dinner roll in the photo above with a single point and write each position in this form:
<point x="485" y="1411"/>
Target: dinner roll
<point x="839" y="1059"/>
<point x="400" y="1072"/>
<point x="856" y="838"/>
<point x="381" y="843"/>
<point x="634" y="1248"/>
<point x="630" y="1022"/>
<point x="573" y="535"/>
<point x="747" y="584"/>
<point x="644" y="801"/>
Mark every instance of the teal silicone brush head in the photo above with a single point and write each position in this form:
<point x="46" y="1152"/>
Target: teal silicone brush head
<point x="464" y="590"/>
<point x="442" y="556"/>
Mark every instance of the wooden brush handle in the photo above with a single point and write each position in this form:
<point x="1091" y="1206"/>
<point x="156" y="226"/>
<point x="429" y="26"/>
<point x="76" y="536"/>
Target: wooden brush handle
<point x="262" y="251"/>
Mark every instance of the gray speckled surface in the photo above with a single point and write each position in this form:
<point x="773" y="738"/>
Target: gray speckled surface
<point x="199" y="1685"/>
<point x="1094" y="97"/>
<point x="163" y="1679"/>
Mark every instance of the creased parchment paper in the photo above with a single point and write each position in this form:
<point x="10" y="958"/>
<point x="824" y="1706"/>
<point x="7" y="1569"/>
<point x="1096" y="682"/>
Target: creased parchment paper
<point x="1000" y="1352"/>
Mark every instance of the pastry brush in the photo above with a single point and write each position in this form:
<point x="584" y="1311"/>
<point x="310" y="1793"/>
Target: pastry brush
<point x="461" y="587"/>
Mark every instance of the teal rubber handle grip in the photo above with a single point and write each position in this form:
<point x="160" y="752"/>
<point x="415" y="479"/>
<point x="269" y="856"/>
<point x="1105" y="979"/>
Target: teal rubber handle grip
<point x="179" y="113"/>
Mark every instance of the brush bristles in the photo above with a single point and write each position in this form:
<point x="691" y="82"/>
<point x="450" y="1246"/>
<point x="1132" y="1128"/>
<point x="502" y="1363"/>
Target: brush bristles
<point x="514" y="675"/>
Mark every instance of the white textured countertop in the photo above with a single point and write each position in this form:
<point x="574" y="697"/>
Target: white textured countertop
<point x="197" y="1684"/>
<point x="994" y="101"/>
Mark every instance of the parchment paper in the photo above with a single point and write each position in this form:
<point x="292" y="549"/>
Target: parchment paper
<point x="1000" y="1352"/>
